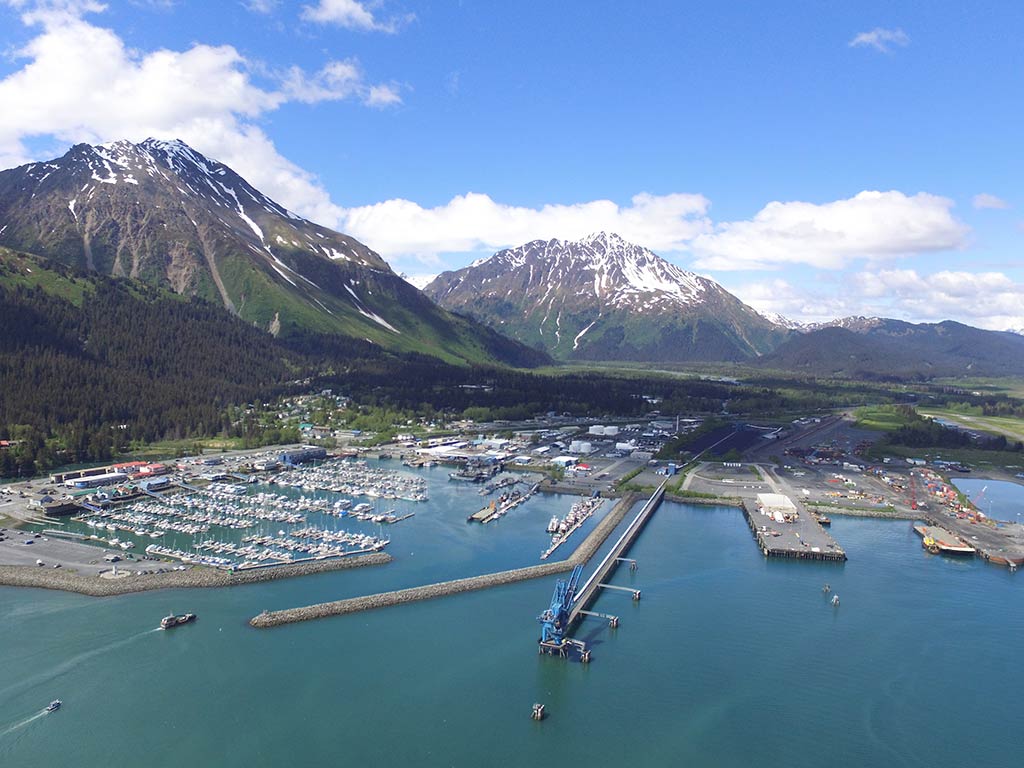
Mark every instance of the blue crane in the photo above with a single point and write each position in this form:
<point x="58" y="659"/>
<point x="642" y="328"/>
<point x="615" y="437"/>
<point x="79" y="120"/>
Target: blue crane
<point x="555" y="620"/>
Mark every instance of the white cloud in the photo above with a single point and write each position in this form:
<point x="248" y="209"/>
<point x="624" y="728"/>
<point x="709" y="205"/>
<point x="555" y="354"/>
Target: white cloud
<point x="54" y="11"/>
<point x="989" y="300"/>
<point x="261" y="6"/>
<point x="985" y="200"/>
<point x="803" y="304"/>
<point x="80" y="82"/>
<point x="986" y="299"/>
<point x="383" y="95"/>
<point x="472" y="222"/>
<point x="829" y="236"/>
<point x="351" y="14"/>
<point x="881" y="39"/>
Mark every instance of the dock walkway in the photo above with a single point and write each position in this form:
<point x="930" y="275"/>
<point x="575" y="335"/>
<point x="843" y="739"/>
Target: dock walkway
<point x="586" y="594"/>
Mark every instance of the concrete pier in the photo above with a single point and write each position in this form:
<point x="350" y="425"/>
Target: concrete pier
<point x="802" y="538"/>
<point x="585" y="596"/>
<point x="585" y="551"/>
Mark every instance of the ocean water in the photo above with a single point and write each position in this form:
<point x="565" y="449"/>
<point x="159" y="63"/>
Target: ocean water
<point x="728" y="660"/>
<point x="1000" y="499"/>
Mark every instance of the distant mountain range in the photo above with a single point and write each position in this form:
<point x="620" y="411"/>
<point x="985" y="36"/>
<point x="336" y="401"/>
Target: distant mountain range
<point x="162" y="213"/>
<point x="602" y="298"/>
<point x="892" y="349"/>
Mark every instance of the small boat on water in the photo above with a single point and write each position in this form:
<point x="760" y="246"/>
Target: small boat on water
<point x="173" y="621"/>
<point x="835" y="600"/>
<point x="553" y="524"/>
<point x="54" y="705"/>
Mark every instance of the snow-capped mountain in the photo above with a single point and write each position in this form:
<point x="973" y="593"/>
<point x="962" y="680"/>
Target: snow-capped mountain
<point x="777" y="318"/>
<point x="855" y="323"/>
<point x="161" y="212"/>
<point x="603" y="298"/>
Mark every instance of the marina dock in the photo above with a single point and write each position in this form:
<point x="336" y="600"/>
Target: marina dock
<point x="585" y="551"/>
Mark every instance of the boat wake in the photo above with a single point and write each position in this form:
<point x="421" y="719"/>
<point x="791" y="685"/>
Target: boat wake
<point x="46" y="675"/>
<point x="12" y="728"/>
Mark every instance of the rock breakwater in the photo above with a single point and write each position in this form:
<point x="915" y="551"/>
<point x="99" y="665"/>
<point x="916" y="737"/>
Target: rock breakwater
<point x="582" y="554"/>
<point x="70" y="581"/>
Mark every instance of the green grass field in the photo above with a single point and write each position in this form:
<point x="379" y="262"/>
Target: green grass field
<point x="883" y="418"/>
<point x="1006" y="386"/>
<point x="1012" y="428"/>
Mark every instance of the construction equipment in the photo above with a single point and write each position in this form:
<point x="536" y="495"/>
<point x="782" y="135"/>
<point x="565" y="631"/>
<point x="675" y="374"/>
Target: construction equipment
<point x="976" y="503"/>
<point x="555" y="620"/>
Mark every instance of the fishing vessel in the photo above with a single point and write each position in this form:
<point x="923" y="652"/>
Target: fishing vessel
<point x="173" y="621"/>
<point x="553" y="524"/>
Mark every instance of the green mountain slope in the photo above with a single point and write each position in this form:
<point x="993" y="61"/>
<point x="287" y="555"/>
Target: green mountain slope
<point x="162" y="213"/>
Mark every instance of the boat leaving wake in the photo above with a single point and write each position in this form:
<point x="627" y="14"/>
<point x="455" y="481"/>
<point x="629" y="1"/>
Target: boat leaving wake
<point x="22" y="724"/>
<point x="68" y="664"/>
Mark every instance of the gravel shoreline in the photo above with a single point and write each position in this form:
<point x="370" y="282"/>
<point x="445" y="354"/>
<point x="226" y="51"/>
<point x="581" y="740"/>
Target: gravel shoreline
<point x="196" y="577"/>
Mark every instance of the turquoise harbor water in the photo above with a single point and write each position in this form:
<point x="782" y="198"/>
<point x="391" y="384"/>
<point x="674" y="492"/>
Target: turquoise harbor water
<point x="1000" y="499"/>
<point x="729" y="659"/>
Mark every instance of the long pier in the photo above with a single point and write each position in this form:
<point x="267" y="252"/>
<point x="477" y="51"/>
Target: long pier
<point x="585" y="551"/>
<point x="587" y="593"/>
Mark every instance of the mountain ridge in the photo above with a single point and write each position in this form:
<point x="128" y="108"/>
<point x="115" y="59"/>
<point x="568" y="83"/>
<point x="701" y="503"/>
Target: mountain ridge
<point x="603" y="298"/>
<point x="881" y="348"/>
<point x="163" y="213"/>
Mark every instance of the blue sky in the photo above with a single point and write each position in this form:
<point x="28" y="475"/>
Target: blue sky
<point x="819" y="159"/>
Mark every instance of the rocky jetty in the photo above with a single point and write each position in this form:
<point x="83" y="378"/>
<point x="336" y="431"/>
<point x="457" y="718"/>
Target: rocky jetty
<point x="70" y="581"/>
<point x="583" y="553"/>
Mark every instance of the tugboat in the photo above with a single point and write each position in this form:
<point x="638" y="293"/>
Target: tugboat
<point x="172" y="621"/>
<point x="54" y="705"/>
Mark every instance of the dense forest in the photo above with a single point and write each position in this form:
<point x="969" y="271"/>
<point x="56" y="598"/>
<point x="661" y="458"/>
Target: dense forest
<point x="91" y="365"/>
<point x="916" y="431"/>
<point x="130" y="364"/>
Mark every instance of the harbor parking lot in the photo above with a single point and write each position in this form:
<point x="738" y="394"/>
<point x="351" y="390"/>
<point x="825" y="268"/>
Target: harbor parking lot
<point x="83" y="558"/>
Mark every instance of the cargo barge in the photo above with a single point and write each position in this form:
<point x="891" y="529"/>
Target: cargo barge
<point x="938" y="540"/>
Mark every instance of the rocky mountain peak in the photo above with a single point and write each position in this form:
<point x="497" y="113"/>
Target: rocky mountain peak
<point x="559" y="294"/>
<point x="161" y="212"/>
